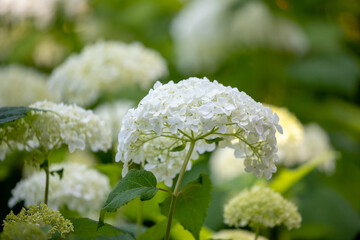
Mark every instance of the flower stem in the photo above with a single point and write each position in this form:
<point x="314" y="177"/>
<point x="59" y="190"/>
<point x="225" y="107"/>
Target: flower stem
<point x="177" y="188"/>
<point x="257" y="229"/>
<point x="45" y="165"/>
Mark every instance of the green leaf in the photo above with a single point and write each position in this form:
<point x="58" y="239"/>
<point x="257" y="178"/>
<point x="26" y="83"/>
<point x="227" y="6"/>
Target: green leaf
<point x="137" y="183"/>
<point x="9" y="114"/>
<point x="324" y="72"/>
<point x="286" y="178"/>
<point x="214" y="140"/>
<point x="191" y="204"/>
<point x="156" y="232"/>
<point x="60" y="172"/>
<point x="85" y="228"/>
<point x="178" y="148"/>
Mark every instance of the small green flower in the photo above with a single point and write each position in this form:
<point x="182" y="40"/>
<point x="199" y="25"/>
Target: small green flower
<point x="23" y="231"/>
<point x="39" y="216"/>
<point x="261" y="206"/>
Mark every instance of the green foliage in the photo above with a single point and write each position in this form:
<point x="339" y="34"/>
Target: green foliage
<point x="179" y="148"/>
<point x="85" y="228"/>
<point x="156" y="232"/>
<point x="111" y="170"/>
<point x="191" y="204"/>
<point x="325" y="72"/>
<point x="326" y="214"/>
<point x="214" y="140"/>
<point x="136" y="183"/>
<point x="286" y="178"/>
<point x="10" y="114"/>
<point x="59" y="172"/>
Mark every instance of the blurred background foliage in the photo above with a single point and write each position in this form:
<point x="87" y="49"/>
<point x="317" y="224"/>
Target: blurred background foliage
<point x="320" y="84"/>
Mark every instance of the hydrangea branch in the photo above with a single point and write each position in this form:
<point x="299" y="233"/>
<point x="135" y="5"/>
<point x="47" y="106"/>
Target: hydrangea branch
<point x="177" y="189"/>
<point x="47" y="177"/>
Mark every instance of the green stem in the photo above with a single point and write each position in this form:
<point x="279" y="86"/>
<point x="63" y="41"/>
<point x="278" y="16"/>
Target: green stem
<point x="257" y="229"/>
<point x="165" y="190"/>
<point x="47" y="179"/>
<point x="177" y="188"/>
<point x="139" y="218"/>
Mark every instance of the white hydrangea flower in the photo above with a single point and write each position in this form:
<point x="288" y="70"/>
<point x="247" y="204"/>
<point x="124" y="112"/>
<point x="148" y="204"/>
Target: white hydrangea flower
<point x="112" y="113"/>
<point x="300" y="144"/>
<point x="41" y="11"/>
<point x="261" y="206"/>
<point x="254" y="26"/>
<point x="48" y="52"/>
<point x="291" y="140"/>
<point x="106" y="67"/>
<point x="297" y="145"/>
<point x="21" y="86"/>
<point x="206" y="31"/>
<point x="224" y="165"/>
<point x="316" y="143"/>
<point x="81" y="189"/>
<point x="59" y="124"/>
<point x="174" y="114"/>
<point x="200" y="35"/>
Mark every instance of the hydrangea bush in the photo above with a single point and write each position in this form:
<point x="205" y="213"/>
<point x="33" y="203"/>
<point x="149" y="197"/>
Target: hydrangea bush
<point x="170" y="127"/>
<point x="176" y="122"/>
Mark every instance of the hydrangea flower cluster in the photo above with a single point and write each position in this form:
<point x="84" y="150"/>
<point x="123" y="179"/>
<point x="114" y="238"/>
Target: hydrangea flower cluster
<point x="21" y="86"/>
<point x="158" y="133"/>
<point x="111" y="113"/>
<point x="224" y="165"/>
<point x="300" y="144"/>
<point x="206" y="31"/>
<point x="81" y="189"/>
<point x="106" y="67"/>
<point x="297" y="145"/>
<point x="23" y="231"/>
<point x="292" y="139"/>
<point x="316" y="144"/>
<point x="41" y="216"/>
<point x="49" y="52"/>
<point x="254" y="26"/>
<point x="200" y="35"/>
<point x="41" y="11"/>
<point x="58" y="124"/>
<point x="261" y="206"/>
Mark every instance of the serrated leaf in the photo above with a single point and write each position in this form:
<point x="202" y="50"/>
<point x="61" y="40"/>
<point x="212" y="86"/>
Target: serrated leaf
<point x="60" y="172"/>
<point x="137" y="183"/>
<point x="9" y="114"/>
<point x="156" y="232"/>
<point x="85" y="228"/>
<point x="191" y="205"/>
<point x="214" y="140"/>
<point x="178" y="148"/>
